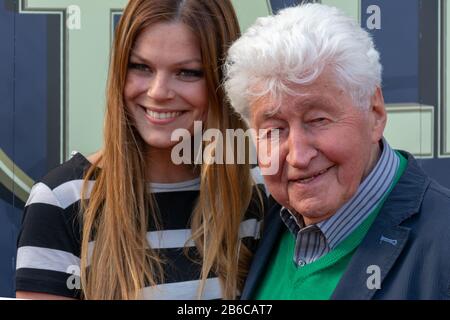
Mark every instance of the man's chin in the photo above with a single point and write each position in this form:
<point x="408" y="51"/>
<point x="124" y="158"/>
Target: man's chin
<point x="312" y="212"/>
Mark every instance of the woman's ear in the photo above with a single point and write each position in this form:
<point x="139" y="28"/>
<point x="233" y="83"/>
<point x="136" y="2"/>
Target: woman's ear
<point x="377" y="114"/>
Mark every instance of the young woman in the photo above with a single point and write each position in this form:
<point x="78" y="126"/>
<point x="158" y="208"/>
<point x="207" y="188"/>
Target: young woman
<point x="127" y="222"/>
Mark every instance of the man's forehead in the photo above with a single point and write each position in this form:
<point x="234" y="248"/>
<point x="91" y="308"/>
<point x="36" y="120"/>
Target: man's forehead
<point x="323" y="92"/>
<point x="268" y="107"/>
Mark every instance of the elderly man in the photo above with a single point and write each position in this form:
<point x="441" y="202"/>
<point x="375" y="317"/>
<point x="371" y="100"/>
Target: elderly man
<point x="355" y="219"/>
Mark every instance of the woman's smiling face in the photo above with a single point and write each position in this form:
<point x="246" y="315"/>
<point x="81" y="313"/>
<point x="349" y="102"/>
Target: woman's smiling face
<point x="165" y="87"/>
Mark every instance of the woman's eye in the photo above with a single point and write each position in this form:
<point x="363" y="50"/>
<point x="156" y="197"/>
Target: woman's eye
<point x="190" y="74"/>
<point x="138" y="67"/>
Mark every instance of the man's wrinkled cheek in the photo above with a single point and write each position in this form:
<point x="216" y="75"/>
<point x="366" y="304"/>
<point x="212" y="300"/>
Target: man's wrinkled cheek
<point x="278" y="188"/>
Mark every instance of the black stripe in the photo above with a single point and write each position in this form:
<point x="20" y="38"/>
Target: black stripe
<point x="73" y="169"/>
<point x="175" y="209"/>
<point x="50" y="227"/>
<point x="179" y="267"/>
<point x="45" y="281"/>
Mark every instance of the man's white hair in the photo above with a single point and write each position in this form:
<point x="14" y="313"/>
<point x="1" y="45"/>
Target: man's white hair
<point x="295" y="47"/>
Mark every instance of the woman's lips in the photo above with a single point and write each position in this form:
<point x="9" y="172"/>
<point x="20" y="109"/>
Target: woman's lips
<point x="161" y="117"/>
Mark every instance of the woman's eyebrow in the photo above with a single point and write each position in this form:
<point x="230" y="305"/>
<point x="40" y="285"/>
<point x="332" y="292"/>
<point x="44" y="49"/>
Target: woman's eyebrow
<point x="188" y="61"/>
<point x="134" y="54"/>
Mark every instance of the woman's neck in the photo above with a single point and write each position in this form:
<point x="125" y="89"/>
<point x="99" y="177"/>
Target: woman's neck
<point x="161" y="169"/>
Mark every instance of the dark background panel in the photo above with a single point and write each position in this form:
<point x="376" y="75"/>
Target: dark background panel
<point x="116" y="20"/>
<point x="398" y="43"/>
<point x="438" y="169"/>
<point x="408" y="44"/>
<point x="277" y="5"/>
<point x="6" y="77"/>
<point x="7" y="212"/>
<point x="29" y="113"/>
<point x="37" y="92"/>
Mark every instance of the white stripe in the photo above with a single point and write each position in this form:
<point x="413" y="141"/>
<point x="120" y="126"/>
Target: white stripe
<point x="186" y="290"/>
<point x="41" y="193"/>
<point x="70" y="192"/>
<point x="172" y="239"/>
<point x="190" y="185"/>
<point x="61" y="261"/>
<point x="46" y="259"/>
<point x="250" y="228"/>
<point x="161" y="190"/>
<point x="62" y="196"/>
<point x="257" y="176"/>
<point x="167" y="239"/>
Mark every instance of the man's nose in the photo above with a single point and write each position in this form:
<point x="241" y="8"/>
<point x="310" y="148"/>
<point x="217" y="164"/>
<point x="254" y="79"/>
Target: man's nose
<point x="160" y="88"/>
<point x="301" y="149"/>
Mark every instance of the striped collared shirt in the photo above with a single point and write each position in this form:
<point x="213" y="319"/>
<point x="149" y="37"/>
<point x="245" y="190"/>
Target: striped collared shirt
<point x="316" y="240"/>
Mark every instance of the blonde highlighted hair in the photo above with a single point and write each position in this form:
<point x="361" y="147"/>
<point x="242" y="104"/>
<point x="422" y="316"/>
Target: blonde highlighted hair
<point x="119" y="208"/>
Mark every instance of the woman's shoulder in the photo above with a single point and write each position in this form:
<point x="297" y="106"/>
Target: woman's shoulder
<point x="61" y="184"/>
<point x="72" y="169"/>
<point x="48" y="248"/>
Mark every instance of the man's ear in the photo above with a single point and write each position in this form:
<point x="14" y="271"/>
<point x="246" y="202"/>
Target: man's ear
<point x="377" y="114"/>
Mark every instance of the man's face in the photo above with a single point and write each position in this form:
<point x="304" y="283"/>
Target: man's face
<point x="327" y="146"/>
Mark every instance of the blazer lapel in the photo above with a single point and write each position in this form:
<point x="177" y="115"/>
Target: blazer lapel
<point x="371" y="262"/>
<point x="386" y="239"/>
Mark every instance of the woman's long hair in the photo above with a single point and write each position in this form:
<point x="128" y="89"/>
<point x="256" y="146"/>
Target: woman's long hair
<point x="120" y="209"/>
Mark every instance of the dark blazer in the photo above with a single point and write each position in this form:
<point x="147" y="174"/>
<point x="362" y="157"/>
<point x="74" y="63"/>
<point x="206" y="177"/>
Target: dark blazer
<point x="414" y="265"/>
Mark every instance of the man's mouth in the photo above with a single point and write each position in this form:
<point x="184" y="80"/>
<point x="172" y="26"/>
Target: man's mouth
<point x="313" y="177"/>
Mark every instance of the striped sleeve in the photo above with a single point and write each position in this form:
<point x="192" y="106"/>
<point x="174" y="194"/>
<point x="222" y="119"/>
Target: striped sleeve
<point x="250" y="228"/>
<point x="48" y="246"/>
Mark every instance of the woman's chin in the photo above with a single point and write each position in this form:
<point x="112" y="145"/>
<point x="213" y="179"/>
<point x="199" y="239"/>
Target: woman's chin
<point x="160" y="145"/>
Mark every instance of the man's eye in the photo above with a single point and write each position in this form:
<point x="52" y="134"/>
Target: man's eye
<point x="190" y="74"/>
<point x="318" y="121"/>
<point x="138" y="67"/>
<point x="271" y="133"/>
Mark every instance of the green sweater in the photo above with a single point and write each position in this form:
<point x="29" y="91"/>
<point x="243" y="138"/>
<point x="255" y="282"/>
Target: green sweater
<point x="317" y="280"/>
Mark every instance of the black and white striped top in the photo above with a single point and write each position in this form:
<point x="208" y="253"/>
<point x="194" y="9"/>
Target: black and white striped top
<point x="48" y="255"/>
